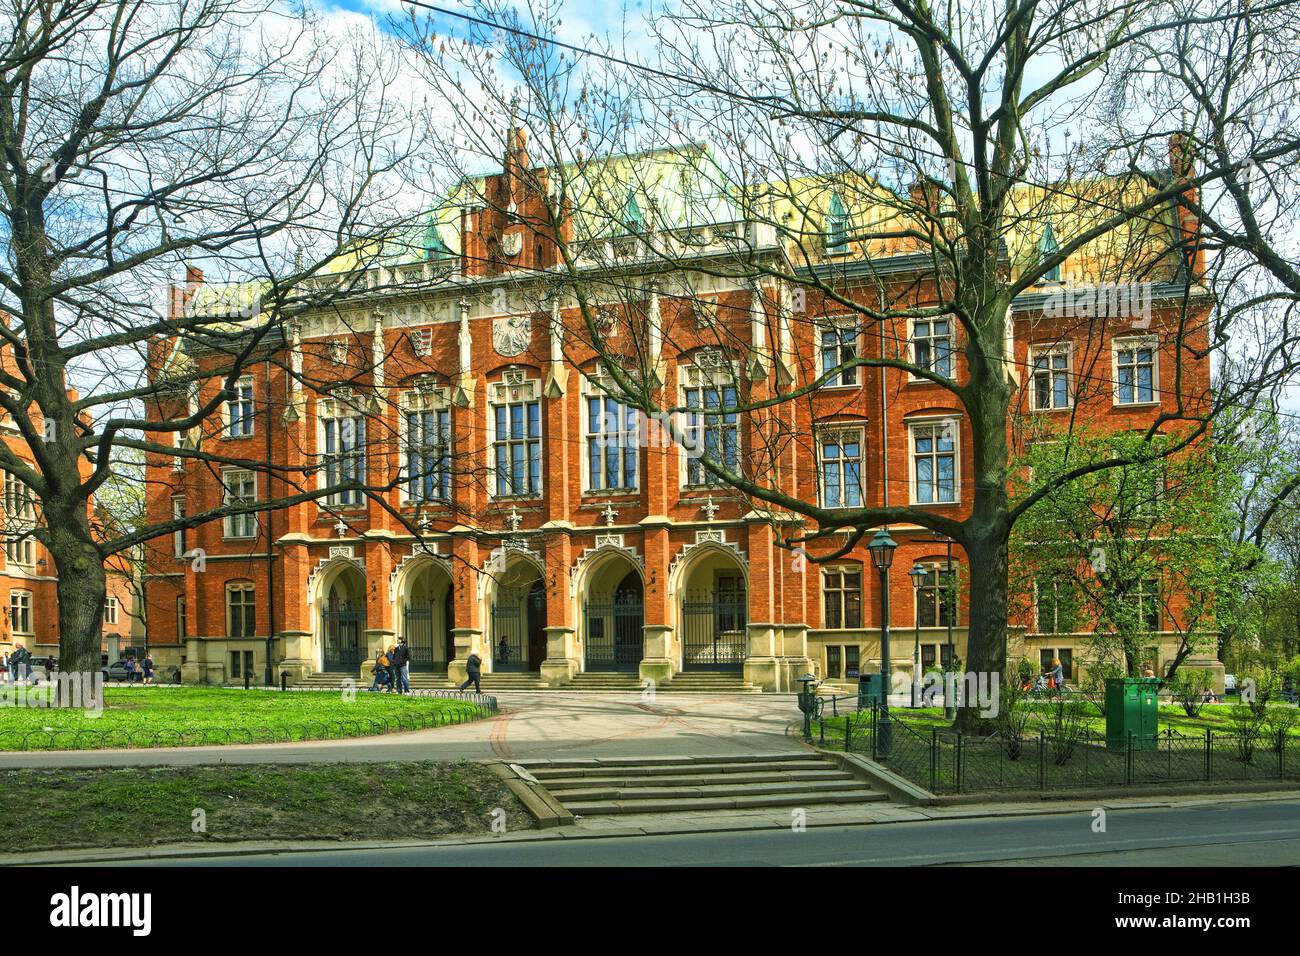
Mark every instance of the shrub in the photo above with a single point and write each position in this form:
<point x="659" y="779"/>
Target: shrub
<point x="1189" y="688"/>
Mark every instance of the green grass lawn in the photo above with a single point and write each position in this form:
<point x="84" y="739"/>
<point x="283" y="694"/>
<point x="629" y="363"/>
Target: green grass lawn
<point x="195" y="716"/>
<point x="139" y="806"/>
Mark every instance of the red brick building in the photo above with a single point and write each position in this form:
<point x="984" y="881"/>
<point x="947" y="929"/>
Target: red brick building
<point x="558" y="534"/>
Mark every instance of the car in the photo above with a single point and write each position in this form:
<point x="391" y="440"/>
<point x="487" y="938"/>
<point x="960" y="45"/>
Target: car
<point x="1229" y="683"/>
<point x="115" y="671"/>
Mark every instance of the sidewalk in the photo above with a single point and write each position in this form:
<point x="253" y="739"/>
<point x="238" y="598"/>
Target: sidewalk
<point x="638" y="825"/>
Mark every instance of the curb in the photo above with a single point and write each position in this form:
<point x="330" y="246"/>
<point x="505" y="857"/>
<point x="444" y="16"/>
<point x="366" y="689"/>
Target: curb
<point x="915" y="815"/>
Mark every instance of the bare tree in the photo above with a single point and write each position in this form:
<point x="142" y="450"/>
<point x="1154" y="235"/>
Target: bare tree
<point x="139" y="136"/>
<point x="897" y="162"/>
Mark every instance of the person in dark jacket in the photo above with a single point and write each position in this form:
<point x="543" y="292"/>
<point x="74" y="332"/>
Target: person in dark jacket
<point x="401" y="667"/>
<point x="472" y="670"/>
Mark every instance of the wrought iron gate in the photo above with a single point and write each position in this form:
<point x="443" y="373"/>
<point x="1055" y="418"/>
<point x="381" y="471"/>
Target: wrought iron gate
<point x="509" y="634"/>
<point x="417" y="624"/>
<point x="615" y="635"/>
<point x="341" y="628"/>
<point x="713" y="631"/>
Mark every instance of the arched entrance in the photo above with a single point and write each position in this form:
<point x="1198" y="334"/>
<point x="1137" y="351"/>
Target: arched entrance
<point x="713" y="611"/>
<point x="518" y="633"/>
<point x="426" y="615"/>
<point x="343" y="620"/>
<point x="613" y="614"/>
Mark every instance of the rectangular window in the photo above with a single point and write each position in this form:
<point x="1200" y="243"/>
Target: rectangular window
<point x="517" y="449"/>
<point x="611" y="445"/>
<point x="20" y="612"/>
<point x="842" y="598"/>
<point x="851" y="662"/>
<point x="20" y="519"/>
<point x="1063" y="654"/>
<point x="428" y="455"/>
<point x="840" y="453"/>
<point x="710" y="432"/>
<point x="1136" y="378"/>
<point x="239" y="409"/>
<point x="933" y="600"/>
<point x="839" y="346"/>
<point x="1057" y="602"/>
<point x="934" y="463"/>
<point x="932" y="345"/>
<point x="178" y="536"/>
<point x="1145" y="598"/>
<point x="180" y="618"/>
<point x="241" y="488"/>
<point x="928" y="657"/>
<point x="110" y="610"/>
<point x="1051" y="375"/>
<point x="240" y="611"/>
<point x="343" y="456"/>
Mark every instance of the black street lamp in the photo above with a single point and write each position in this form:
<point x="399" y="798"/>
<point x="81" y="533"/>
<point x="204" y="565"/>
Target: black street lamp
<point x="918" y="575"/>
<point x="882" y="556"/>
<point x="950" y="605"/>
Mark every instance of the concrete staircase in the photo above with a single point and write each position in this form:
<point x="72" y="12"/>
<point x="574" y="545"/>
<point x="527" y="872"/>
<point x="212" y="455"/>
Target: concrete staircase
<point x="601" y="787"/>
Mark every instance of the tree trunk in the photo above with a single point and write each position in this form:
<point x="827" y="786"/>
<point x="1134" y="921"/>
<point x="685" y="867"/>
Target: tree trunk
<point x="986" y="642"/>
<point x="81" y="590"/>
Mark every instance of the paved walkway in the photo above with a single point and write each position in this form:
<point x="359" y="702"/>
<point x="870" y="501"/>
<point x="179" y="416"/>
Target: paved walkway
<point x="547" y="724"/>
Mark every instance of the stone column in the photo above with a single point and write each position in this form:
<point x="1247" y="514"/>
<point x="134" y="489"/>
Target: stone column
<point x="467" y="625"/>
<point x="660" y="655"/>
<point x="562" y="657"/>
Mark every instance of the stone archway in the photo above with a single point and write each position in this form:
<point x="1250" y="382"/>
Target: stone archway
<point x="516" y="634"/>
<point x="340" y="619"/>
<point x="711" y="601"/>
<point x="611" y="599"/>
<point x="425" y="613"/>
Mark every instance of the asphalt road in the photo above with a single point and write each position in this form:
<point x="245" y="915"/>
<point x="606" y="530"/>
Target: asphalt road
<point x="1265" y="833"/>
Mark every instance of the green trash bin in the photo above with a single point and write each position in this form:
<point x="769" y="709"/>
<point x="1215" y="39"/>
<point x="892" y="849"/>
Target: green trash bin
<point x="868" y="690"/>
<point x="1132" y="709"/>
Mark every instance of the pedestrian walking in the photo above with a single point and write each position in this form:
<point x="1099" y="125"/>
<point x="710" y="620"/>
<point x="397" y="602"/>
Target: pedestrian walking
<point x="129" y="666"/>
<point x="402" y="665"/>
<point x="20" y="662"/>
<point x="473" y="670"/>
<point x="146" y="666"/>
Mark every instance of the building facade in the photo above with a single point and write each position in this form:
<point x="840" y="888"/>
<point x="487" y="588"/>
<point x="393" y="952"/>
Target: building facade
<point x="515" y="511"/>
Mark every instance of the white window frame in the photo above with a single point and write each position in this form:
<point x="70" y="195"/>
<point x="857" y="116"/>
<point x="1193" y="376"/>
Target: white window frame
<point x="1133" y="344"/>
<point x="824" y="434"/>
<point x="240" y="410"/>
<point x="238" y="525"/>
<point x="912" y="340"/>
<point x="1048" y="352"/>
<point x="337" y="411"/>
<point x="242" y="588"/>
<point x="709" y="370"/>
<point x="934" y="421"/>
<point x="110" y="610"/>
<point x="841" y="570"/>
<point x="839" y="325"/>
<point x="426" y="400"/>
<point x="624" y="437"/>
<point x="516" y="389"/>
<point x="20" y="612"/>
<point x="20" y="519"/>
<point x="178" y="536"/>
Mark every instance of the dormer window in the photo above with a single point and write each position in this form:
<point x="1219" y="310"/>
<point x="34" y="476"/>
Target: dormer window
<point x="1048" y="249"/>
<point x="837" y="227"/>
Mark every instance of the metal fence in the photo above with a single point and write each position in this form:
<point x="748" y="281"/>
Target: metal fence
<point x="474" y="707"/>
<point x="945" y="763"/>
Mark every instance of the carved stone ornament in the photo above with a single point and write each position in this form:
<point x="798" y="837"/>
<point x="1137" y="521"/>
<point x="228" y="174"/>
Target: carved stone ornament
<point x="511" y="334"/>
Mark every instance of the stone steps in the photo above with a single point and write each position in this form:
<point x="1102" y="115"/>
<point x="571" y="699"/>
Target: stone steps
<point x="609" y="786"/>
